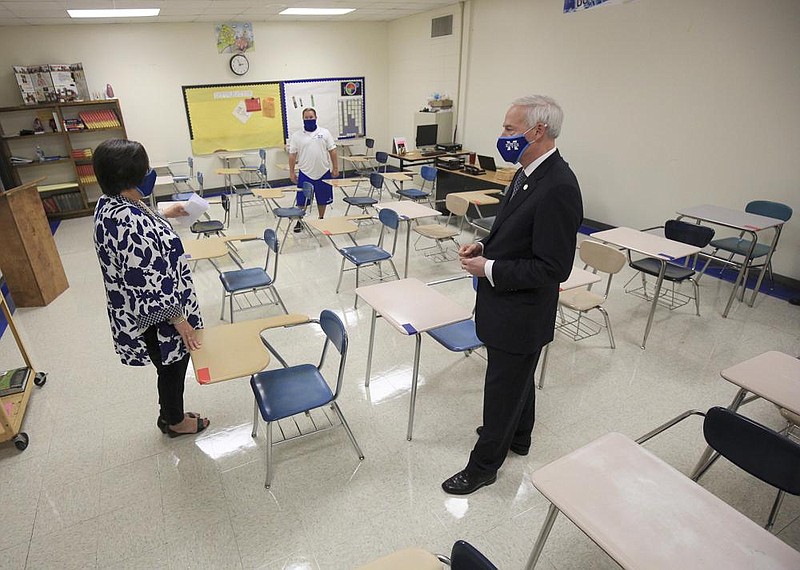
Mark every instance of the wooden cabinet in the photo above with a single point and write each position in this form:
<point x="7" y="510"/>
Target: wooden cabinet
<point x="69" y="188"/>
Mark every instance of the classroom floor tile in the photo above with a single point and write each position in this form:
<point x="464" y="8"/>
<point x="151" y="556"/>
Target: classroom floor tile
<point x="101" y="487"/>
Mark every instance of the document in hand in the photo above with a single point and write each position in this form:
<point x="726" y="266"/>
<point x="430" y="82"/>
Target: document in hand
<point x="195" y="206"/>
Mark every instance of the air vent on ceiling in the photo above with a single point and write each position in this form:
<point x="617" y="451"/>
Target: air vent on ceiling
<point x="442" y="26"/>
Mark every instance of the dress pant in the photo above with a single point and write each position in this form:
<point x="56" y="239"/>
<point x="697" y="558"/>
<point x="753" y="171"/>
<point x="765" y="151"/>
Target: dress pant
<point x="509" y="400"/>
<point x="171" y="378"/>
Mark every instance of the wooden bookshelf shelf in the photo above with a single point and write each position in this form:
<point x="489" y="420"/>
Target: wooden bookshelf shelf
<point x="60" y="143"/>
<point x="43" y="163"/>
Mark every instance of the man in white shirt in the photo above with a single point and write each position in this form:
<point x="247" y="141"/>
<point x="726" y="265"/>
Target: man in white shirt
<point x="313" y="150"/>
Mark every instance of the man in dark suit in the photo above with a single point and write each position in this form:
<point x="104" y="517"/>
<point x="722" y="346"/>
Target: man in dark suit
<point x="520" y="264"/>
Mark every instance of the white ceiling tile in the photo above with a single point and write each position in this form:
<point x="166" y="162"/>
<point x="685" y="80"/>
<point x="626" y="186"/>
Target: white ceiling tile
<point x="27" y="12"/>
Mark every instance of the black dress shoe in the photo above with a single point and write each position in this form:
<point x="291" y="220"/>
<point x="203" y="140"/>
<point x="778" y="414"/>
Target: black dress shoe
<point x="515" y="448"/>
<point x="462" y="483"/>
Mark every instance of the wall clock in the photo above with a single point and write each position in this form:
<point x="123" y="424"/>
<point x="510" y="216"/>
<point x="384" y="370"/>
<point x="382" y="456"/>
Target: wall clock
<point x="239" y="64"/>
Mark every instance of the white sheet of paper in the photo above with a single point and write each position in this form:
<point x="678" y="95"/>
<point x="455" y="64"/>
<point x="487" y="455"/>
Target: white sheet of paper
<point x="240" y="112"/>
<point x="195" y="206"/>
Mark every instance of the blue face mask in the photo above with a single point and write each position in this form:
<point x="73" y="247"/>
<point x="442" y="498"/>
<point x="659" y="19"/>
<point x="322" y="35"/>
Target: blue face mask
<point x="511" y="148"/>
<point x="145" y="187"/>
<point x="310" y="125"/>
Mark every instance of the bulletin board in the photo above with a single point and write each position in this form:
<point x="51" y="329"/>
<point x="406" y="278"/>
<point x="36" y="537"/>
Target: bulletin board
<point x="234" y="117"/>
<point x="339" y="103"/>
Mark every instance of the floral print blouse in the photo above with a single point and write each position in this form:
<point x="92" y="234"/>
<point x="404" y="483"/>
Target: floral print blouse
<point x="146" y="276"/>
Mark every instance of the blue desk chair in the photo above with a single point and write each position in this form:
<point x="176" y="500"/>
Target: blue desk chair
<point x="460" y="336"/>
<point x="741" y="246"/>
<point x="428" y="174"/>
<point x="763" y="453"/>
<point x="253" y="280"/>
<point x="375" y="185"/>
<point x="294" y="213"/>
<point x="463" y="556"/>
<point x="365" y="255"/>
<point x="181" y="170"/>
<point x="293" y="390"/>
<point x="184" y="179"/>
<point x="677" y="230"/>
<point x="382" y="158"/>
<point x="204" y="228"/>
<point x="254" y="171"/>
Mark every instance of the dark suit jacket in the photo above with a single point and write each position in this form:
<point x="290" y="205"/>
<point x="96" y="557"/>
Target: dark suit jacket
<point x="533" y="244"/>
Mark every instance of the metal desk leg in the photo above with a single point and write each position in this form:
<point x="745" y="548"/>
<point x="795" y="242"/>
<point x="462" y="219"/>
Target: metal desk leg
<point x="538" y="546"/>
<point x="414" y="378"/>
<point x="709" y="456"/>
<point x="543" y="369"/>
<point x="371" y="344"/>
<point x="659" y="281"/>
<point x="740" y="276"/>
<point x="766" y="264"/>
<point x="408" y="243"/>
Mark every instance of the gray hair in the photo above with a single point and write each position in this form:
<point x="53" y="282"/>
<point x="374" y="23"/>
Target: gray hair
<point x="542" y="109"/>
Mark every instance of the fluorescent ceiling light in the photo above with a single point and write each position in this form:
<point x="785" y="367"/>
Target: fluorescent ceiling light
<point x="316" y="11"/>
<point x="115" y="13"/>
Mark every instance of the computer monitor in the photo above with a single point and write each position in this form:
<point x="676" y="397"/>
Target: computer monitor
<point x="426" y="135"/>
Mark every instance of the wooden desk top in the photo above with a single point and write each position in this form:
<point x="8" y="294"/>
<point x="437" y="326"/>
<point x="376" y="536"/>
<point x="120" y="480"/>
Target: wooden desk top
<point x="346" y="182"/>
<point x="399" y="176"/>
<point x="235" y="350"/>
<point x="412" y="307"/>
<point x="646" y="515"/>
<point x="408" y="209"/>
<point x="490" y="176"/>
<point x="335" y="226"/>
<point x="645" y="243"/>
<point x="479" y="197"/>
<point x="228" y="171"/>
<point x="773" y="375"/>
<point x="206" y="248"/>
<point x="579" y="277"/>
<point x="728" y="217"/>
<point x="416" y="155"/>
<point x="230" y="155"/>
<point x="164" y="180"/>
<point x="357" y="158"/>
<point x="282" y="166"/>
<point x="268" y="193"/>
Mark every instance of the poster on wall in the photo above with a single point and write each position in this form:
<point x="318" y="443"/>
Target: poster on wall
<point x="235" y="37"/>
<point x="234" y="117"/>
<point x="578" y="5"/>
<point x="339" y="103"/>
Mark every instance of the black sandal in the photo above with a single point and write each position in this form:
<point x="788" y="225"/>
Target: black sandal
<point x="162" y="423"/>
<point x="200" y="427"/>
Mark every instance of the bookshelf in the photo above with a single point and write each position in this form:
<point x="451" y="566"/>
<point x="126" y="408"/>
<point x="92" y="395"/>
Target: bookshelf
<point x="70" y="189"/>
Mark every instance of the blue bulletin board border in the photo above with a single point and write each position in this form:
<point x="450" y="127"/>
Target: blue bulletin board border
<point x="361" y="79"/>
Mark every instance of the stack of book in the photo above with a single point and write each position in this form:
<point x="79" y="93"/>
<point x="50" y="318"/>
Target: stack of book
<point x="103" y="119"/>
<point x="82" y="154"/>
<point x="74" y="125"/>
<point x="86" y="174"/>
<point x="63" y="203"/>
<point x="13" y="381"/>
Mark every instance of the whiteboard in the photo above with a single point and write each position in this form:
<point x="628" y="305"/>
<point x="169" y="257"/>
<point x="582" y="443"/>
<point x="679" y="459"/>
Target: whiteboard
<point x="339" y="103"/>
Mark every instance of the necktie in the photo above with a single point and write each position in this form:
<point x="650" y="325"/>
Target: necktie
<point x="519" y="180"/>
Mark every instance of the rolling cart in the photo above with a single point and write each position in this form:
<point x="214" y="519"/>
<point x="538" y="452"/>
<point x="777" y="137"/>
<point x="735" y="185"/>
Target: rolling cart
<point x="12" y="407"/>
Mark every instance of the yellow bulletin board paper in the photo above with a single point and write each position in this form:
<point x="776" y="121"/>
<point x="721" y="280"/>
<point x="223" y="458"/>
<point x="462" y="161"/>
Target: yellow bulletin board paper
<point x="234" y="116"/>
